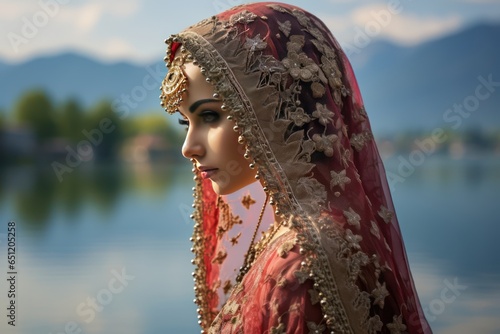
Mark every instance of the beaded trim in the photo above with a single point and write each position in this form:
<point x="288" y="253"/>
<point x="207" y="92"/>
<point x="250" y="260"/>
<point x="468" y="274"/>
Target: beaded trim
<point x="175" y="83"/>
<point x="312" y="230"/>
<point x="281" y="194"/>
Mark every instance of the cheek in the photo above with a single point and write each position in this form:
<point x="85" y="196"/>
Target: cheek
<point x="225" y="141"/>
<point x="234" y="149"/>
<point x="225" y="145"/>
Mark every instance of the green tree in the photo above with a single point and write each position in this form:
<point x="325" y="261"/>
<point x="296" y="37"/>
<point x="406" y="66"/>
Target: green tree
<point x="104" y="130"/>
<point x="35" y="109"/>
<point x="155" y="124"/>
<point x="2" y="120"/>
<point x="70" y="120"/>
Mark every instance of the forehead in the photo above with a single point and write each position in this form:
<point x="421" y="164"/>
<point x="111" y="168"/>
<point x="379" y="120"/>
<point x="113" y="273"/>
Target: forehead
<point x="197" y="89"/>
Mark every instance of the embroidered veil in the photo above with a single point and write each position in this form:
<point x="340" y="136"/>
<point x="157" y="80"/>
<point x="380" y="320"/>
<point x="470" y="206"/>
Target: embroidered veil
<point x="341" y="267"/>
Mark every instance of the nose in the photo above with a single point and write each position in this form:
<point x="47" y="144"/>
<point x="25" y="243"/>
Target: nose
<point x="192" y="147"/>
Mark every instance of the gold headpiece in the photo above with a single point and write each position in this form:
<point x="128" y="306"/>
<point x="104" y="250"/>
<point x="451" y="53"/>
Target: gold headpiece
<point x="175" y="83"/>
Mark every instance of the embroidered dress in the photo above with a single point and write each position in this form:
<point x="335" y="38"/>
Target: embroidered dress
<point x="337" y="264"/>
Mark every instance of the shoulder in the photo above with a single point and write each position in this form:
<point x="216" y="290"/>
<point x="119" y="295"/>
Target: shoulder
<point x="275" y="295"/>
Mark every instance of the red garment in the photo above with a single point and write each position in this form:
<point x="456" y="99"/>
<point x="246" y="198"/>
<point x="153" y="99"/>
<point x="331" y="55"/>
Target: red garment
<point x="341" y="266"/>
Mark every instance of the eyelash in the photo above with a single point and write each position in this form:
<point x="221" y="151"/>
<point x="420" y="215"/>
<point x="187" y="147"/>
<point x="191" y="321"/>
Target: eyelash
<point x="207" y="116"/>
<point x="183" y="122"/>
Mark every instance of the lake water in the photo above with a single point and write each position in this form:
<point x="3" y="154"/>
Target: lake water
<point x="106" y="250"/>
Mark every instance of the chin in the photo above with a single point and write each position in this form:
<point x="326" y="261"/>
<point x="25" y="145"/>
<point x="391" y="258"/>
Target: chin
<point x="222" y="190"/>
<point x="226" y="189"/>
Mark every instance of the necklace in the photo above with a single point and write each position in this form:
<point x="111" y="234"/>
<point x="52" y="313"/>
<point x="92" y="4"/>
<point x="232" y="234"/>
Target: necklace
<point x="255" y="249"/>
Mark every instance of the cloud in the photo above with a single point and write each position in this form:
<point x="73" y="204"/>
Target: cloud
<point x="117" y="48"/>
<point x="480" y="1"/>
<point x="412" y="30"/>
<point x="379" y="21"/>
<point x="11" y="9"/>
<point x="87" y="16"/>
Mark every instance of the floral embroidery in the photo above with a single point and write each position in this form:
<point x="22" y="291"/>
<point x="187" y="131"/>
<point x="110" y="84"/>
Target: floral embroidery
<point x="228" y="220"/>
<point x="255" y="44"/>
<point x="234" y="240"/>
<point x="299" y="117"/>
<point x="352" y="217"/>
<point x="323" y="115"/>
<point x="282" y="282"/>
<point x="247" y="201"/>
<point x="243" y="17"/>
<point x="316" y="33"/>
<point x="397" y="326"/>
<point x="278" y="8"/>
<point x="387" y="245"/>
<point x="317" y="89"/>
<point x="286" y="111"/>
<point x="227" y="286"/>
<point x="221" y="256"/>
<point x="359" y="140"/>
<point x="314" y="296"/>
<point x="308" y="148"/>
<point x="300" y="66"/>
<point x="285" y="27"/>
<point x="272" y="70"/>
<point x="374" y="229"/>
<point x="345" y="157"/>
<point x="353" y="239"/>
<point x="385" y="214"/>
<point x="294" y="308"/>
<point x="315" y="328"/>
<point x="301" y="17"/>
<point x="312" y="190"/>
<point x="339" y="179"/>
<point x="285" y="248"/>
<point x="301" y="276"/>
<point x="362" y="112"/>
<point x="220" y="231"/>
<point x="325" y="143"/>
<point x="278" y="330"/>
<point x="379" y="293"/>
<point x="374" y="325"/>
<point x="358" y="260"/>
<point x="274" y="306"/>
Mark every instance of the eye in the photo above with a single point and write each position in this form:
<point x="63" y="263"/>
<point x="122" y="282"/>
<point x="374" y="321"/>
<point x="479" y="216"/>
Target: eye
<point x="183" y="122"/>
<point x="209" y="116"/>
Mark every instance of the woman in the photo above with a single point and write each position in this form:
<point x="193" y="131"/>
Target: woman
<point x="312" y="246"/>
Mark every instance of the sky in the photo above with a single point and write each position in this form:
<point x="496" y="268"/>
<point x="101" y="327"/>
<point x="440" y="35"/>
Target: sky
<point x="134" y="30"/>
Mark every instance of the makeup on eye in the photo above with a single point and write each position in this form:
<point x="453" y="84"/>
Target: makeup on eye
<point x="183" y="121"/>
<point x="207" y="116"/>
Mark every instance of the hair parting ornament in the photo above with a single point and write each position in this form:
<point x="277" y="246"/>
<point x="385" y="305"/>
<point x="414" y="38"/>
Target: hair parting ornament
<point x="175" y="83"/>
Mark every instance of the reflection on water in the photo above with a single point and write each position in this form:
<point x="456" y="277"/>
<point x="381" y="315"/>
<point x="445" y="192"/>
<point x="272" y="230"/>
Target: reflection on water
<point x="76" y="236"/>
<point x="35" y="193"/>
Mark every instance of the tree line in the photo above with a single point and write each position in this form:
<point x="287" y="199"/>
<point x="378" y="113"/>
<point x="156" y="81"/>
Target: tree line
<point x="69" y="121"/>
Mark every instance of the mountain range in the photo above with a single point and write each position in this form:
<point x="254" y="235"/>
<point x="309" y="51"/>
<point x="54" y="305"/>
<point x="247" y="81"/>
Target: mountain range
<point x="403" y="88"/>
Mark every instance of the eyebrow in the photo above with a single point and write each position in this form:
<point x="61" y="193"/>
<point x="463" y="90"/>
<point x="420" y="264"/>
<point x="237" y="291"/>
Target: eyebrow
<point x="198" y="103"/>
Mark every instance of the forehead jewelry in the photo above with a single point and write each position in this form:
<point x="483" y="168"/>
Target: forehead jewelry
<point x="175" y="83"/>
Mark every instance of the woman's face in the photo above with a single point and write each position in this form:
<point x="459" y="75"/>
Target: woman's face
<point x="210" y="139"/>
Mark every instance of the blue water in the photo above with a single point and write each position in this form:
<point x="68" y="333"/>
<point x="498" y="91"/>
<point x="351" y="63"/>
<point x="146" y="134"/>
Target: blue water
<point x="106" y="250"/>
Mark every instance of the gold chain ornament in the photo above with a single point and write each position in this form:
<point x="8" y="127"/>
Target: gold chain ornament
<point x="175" y="83"/>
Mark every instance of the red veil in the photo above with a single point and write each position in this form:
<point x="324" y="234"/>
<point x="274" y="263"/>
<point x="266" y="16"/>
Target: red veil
<point x="342" y="266"/>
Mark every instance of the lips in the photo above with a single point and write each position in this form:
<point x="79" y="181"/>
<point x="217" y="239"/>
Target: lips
<point x="207" y="172"/>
